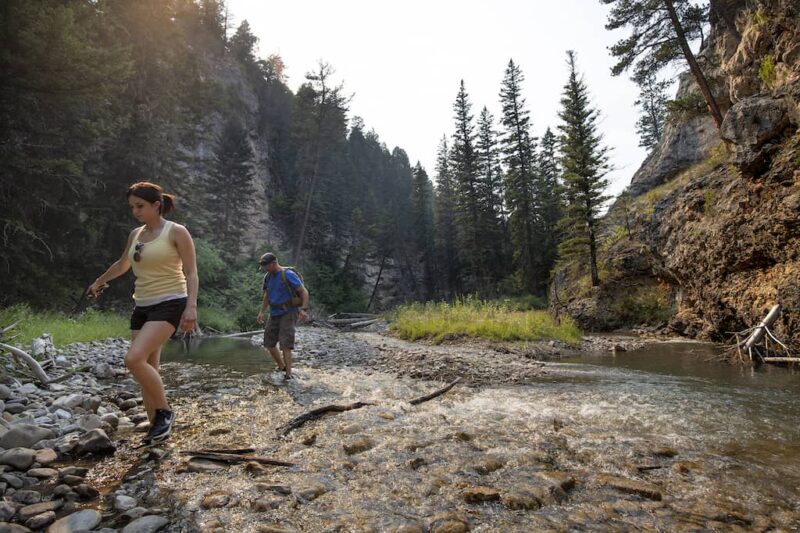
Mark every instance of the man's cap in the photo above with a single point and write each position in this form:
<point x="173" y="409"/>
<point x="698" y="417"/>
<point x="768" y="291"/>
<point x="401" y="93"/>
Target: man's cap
<point x="267" y="258"/>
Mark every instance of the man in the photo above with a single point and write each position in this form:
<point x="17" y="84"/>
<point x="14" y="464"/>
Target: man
<point x="281" y="286"/>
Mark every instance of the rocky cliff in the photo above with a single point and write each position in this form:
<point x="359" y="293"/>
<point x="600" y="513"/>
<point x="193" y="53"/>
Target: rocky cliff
<point x="710" y="238"/>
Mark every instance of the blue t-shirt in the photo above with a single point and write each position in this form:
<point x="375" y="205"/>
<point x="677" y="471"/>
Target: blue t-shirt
<point x="279" y="293"/>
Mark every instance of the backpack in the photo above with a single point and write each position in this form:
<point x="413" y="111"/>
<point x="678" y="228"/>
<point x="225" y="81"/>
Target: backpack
<point x="296" y="299"/>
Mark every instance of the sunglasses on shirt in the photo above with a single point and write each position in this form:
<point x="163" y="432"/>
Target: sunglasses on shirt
<point x="137" y="251"/>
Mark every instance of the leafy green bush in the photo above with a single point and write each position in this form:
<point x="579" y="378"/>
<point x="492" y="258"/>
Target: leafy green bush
<point x="474" y="318"/>
<point x="333" y="289"/>
<point x="649" y="305"/>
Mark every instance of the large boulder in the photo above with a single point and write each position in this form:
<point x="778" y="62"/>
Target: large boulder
<point x="24" y="436"/>
<point x="750" y="127"/>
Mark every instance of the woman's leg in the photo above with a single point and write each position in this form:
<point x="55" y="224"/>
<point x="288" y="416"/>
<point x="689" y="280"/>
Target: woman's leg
<point x="144" y="342"/>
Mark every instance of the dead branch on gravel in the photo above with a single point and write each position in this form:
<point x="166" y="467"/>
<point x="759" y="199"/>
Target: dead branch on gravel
<point x="32" y="363"/>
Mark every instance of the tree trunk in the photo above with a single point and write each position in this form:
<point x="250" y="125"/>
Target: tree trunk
<point x="693" y="66"/>
<point x="375" y="289"/>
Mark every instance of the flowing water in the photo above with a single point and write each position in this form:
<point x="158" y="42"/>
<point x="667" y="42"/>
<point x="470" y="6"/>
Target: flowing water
<point x="710" y="446"/>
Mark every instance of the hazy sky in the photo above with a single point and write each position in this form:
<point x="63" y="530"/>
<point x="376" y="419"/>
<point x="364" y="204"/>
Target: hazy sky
<point x="403" y="62"/>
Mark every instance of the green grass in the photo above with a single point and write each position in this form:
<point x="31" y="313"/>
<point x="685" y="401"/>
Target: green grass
<point x="474" y="318"/>
<point x="91" y="325"/>
<point x="219" y="319"/>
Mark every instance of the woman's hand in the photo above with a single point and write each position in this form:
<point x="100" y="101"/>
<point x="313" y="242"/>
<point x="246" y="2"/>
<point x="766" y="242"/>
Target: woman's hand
<point x="189" y="319"/>
<point x="96" y="289"/>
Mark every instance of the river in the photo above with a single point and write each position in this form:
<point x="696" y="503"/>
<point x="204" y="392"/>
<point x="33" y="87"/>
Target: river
<point x="654" y="438"/>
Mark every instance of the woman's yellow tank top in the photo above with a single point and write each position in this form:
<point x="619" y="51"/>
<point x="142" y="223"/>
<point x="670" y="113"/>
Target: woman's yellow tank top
<point x="159" y="271"/>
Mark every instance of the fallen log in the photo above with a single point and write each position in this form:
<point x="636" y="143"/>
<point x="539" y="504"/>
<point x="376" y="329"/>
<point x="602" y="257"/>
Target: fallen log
<point x="32" y="363"/>
<point x="363" y="323"/>
<point x="434" y="394"/>
<point x="240" y="334"/>
<point x="761" y="330"/>
<point x="230" y="458"/>
<point x="344" y="321"/>
<point x="782" y="359"/>
<point x="318" y="413"/>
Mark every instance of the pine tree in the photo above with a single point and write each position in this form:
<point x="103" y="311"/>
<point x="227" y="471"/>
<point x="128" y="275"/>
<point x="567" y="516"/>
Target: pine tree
<point x="492" y="195"/>
<point x="423" y="228"/>
<point x="466" y="179"/>
<point x="243" y="44"/>
<point x="549" y="191"/>
<point x="518" y="149"/>
<point x="585" y="163"/>
<point x="661" y="33"/>
<point x="230" y="190"/>
<point x="653" y="101"/>
<point x="449" y="256"/>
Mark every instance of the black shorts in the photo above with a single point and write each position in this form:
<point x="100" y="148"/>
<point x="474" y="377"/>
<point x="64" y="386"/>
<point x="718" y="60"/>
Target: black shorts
<point x="169" y="311"/>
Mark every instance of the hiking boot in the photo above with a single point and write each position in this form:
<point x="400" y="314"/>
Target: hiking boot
<point x="161" y="426"/>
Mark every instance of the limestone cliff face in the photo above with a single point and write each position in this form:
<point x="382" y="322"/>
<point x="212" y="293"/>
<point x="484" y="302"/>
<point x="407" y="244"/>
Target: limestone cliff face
<point x="717" y="242"/>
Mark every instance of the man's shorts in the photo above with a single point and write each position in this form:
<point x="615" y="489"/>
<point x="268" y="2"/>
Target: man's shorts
<point x="280" y="329"/>
<point x="169" y="311"/>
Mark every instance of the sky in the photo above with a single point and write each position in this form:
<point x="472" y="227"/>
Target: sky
<point x="403" y="63"/>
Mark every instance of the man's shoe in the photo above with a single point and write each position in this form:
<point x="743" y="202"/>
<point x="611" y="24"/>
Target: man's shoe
<point x="161" y="426"/>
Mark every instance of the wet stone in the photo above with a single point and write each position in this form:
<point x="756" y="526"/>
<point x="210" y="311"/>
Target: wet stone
<point x="550" y="495"/>
<point x="311" y="491"/>
<point x="449" y="523"/>
<point x="358" y="446"/>
<point x="74" y="471"/>
<point x="350" y="429"/>
<point x="95" y="441"/>
<point x="562" y="479"/>
<point x="481" y="494"/>
<point x="274" y="528"/>
<point x="146" y="524"/>
<point x="309" y="440"/>
<point x="215" y="500"/>
<point x="204" y="465"/>
<point x="631" y="486"/>
<point x="123" y="502"/>
<point x="521" y="500"/>
<point x="267" y="504"/>
<point x="489" y="464"/>
<point x="86" y="492"/>
<point x="219" y="431"/>
<point x="79" y="521"/>
<point x="278" y="489"/>
<point x="255" y="469"/>
<point x="72" y="480"/>
<point x="407" y="528"/>
<point x="665" y="452"/>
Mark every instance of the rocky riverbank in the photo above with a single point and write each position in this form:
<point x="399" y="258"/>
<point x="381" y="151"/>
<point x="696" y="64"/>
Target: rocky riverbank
<point x="502" y="451"/>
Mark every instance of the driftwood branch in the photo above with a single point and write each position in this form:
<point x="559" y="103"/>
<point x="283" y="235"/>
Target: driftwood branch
<point x="240" y="334"/>
<point x="761" y="329"/>
<point x="318" y="413"/>
<point x="32" y="363"/>
<point x="231" y="458"/>
<point x="8" y="328"/>
<point x="363" y="323"/>
<point x="434" y="394"/>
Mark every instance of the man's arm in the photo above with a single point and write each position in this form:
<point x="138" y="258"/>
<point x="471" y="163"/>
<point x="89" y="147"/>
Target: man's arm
<point x="264" y="305"/>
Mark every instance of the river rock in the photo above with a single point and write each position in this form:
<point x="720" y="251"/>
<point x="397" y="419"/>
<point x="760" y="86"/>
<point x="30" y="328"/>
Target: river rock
<point x="24" y="436"/>
<point x="29" y="511"/>
<point x="46" y="456"/>
<point x="126" y="405"/>
<point x="79" y="521"/>
<point x="41" y="520"/>
<point x="6" y="527"/>
<point x="5" y="392"/>
<point x="267" y="504"/>
<point x="215" y="500"/>
<point x="521" y="500"/>
<point x="103" y="371"/>
<point x="565" y="481"/>
<point x="358" y="445"/>
<point x="196" y="464"/>
<point x="28" y="388"/>
<point x="311" y="491"/>
<point x="79" y="471"/>
<point x="146" y="524"/>
<point x="279" y="489"/>
<point x="87" y="492"/>
<point x="407" y="528"/>
<point x="274" y="528"/>
<point x="70" y="401"/>
<point x="12" y="480"/>
<point x="27" y="497"/>
<point x="7" y="510"/>
<point x="111" y="419"/>
<point x="94" y="442"/>
<point x="123" y="502"/>
<point x="481" y="494"/>
<point x="42" y="473"/>
<point x="631" y="486"/>
<point x="449" y="523"/>
<point x="489" y="464"/>
<point x="19" y="458"/>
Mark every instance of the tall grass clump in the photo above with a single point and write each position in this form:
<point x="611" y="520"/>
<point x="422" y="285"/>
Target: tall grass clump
<point x="91" y="325"/>
<point x="493" y="320"/>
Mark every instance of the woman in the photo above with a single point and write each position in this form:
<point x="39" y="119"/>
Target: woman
<point x="163" y="259"/>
